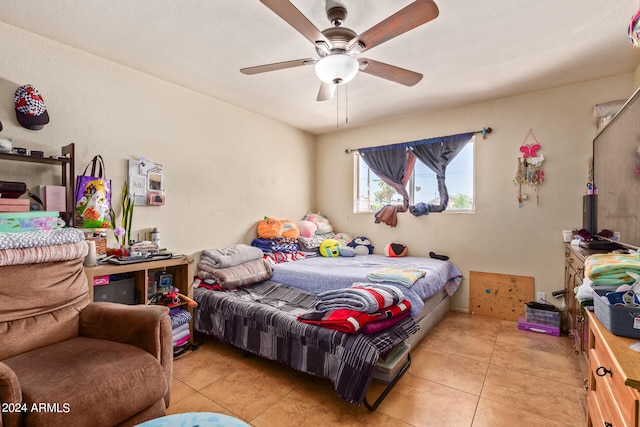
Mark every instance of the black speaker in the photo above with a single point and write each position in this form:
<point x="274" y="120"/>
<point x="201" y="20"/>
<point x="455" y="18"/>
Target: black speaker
<point x="589" y="213"/>
<point x="121" y="291"/>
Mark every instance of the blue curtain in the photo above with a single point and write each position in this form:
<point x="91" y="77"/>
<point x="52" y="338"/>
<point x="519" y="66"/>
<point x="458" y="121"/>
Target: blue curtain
<point x="394" y="165"/>
<point x="437" y="154"/>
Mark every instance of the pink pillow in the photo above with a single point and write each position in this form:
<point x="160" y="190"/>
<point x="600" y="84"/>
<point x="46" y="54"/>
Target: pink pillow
<point x="307" y="228"/>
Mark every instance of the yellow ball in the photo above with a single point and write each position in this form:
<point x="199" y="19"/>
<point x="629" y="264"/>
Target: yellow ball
<point x="330" y="248"/>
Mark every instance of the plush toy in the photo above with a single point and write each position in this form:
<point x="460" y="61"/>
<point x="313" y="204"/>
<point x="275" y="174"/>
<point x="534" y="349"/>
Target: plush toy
<point x="290" y="229"/>
<point x="395" y="250"/>
<point x="171" y="299"/>
<point x="320" y="221"/>
<point x="347" y="251"/>
<point x="307" y="228"/>
<point x="361" y="245"/>
<point x="269" y="228"/>
<point x="330" y="248"/>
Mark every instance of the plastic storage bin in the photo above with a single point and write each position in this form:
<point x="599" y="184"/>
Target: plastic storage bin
<point x="387" y="370"/>
<point x="619" y="320"/>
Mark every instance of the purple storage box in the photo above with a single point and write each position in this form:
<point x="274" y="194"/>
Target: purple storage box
<point x="536" y="327"/>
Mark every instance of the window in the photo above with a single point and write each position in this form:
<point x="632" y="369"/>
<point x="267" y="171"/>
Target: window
<point x="372" y="193"/>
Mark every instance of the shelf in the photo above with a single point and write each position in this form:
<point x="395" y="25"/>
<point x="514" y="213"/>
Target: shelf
<point x="67" y="166"/>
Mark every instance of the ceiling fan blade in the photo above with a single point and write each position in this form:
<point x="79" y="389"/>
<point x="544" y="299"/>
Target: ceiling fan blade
<point x="292" y="16"/>
<point x="413" y="15"/>
<point x="277" y="66"/>
<point x="326" y="92"/>
<point x="389" y="72"/>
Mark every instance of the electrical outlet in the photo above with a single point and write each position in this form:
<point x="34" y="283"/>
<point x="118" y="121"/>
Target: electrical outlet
<point x="541" y="296"/>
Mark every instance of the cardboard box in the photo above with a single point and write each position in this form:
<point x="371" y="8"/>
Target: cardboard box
<point x="14" y="205"/>
<point x="16" y="222"/>
<point x="54" y="197"/>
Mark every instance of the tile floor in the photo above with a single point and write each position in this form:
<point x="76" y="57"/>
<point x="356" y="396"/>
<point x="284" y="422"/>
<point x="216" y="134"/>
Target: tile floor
<point x="470" y="371"/>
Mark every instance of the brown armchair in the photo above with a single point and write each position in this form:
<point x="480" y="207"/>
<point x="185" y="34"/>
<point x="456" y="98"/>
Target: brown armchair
<point x="66" y="361"/>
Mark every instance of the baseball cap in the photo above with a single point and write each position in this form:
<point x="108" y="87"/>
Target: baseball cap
<point x="31" y="111"/>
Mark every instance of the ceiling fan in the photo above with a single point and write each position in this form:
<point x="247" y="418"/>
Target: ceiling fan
<point x="338" y="46"/>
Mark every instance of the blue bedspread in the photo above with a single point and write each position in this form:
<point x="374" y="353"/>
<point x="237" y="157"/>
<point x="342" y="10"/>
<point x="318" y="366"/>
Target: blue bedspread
<point x="320" y="274"/>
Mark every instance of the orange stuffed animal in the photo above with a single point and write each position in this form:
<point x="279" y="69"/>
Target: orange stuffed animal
<point x="269" y="228"/>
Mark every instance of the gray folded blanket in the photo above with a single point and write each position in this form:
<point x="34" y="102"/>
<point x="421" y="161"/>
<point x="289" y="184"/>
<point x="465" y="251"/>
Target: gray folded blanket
<point x="247" y="273"/>
<point x="231" y="256"/>
<point x="366" y="297"/>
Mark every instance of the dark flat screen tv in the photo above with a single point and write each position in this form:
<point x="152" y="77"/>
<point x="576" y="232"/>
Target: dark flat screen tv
<point x="616" y="173"/>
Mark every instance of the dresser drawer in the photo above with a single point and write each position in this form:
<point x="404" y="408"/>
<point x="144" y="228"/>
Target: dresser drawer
<point x="607" y="385"/>
<point x="602" y="395"/>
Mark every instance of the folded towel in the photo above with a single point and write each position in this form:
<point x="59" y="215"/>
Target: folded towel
<point x="352" y="321"/>
<point x="179" y="316"/>
<point x="611" y="269"/>
<point x="228" y="257"/>
<point x="365" y="297"/>
<point x="245" y="274"/>
<point x="404" y="276"/>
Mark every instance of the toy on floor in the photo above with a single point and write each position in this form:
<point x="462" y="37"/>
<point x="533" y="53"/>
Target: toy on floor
<point x="171" y="299"/>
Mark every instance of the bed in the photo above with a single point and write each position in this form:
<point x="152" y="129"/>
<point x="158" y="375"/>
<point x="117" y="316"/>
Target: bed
<point x="429" y="295"/>
<point x="262" y="318"/>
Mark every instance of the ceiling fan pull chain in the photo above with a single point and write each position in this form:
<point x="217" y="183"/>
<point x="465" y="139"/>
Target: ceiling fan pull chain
<point x="346" y="104"/>
<point x="337" y="107"/>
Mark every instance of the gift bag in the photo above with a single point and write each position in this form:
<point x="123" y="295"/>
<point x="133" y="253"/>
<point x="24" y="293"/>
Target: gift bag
<point x="93" y="197"/>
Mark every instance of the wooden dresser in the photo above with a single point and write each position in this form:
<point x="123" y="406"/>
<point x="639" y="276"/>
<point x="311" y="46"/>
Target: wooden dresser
<point x="614" y="378"/>
<point x="574" y="258"/>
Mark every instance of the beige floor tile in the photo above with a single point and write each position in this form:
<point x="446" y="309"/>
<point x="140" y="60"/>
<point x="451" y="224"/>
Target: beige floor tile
<point x="197" y="403"/>
<point x="492" y="414"/>
<point x="447" y="369"/>
<point x="250" y="390"/>
<point x="478" y="326"/>
<point x="421" y="402"/>
<point x="543" y="363"/>
<point x="451" y="341"/>
<point x="312" y="403"/>
<point x="532" y="393"/>
<point x="207" y="364"/>
<point x="180" y="390"/>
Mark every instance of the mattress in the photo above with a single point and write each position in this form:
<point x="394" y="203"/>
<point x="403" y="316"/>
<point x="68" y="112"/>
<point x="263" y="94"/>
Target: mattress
<point x="320" y="274"/>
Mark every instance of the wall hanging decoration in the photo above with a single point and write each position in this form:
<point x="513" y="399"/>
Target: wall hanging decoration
<point x="146" y="182"/>
<point x="634" y="28"/>
<point x="529" y="170"/>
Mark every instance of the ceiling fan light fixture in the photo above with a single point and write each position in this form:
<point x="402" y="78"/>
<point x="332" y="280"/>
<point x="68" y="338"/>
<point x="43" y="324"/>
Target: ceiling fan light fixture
<point x="337" y="68"/>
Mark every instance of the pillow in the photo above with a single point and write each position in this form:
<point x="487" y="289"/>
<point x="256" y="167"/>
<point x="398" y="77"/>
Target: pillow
<point x="343" y="238"/>
<point x="320" y="221"/>
<point x="290" y="229"/>
<point x="307" y="228"/>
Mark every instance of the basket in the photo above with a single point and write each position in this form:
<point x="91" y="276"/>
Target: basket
<point x="619" y="320"/>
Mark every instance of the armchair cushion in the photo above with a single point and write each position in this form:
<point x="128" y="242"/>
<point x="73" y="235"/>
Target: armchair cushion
<point x="145" y="326"/>
<point x="105" y="393"/>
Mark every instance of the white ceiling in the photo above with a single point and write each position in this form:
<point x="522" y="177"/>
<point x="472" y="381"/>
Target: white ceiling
<point x="473" y="51"/>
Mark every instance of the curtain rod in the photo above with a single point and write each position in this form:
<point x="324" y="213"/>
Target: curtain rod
<point x="483" y="131"/>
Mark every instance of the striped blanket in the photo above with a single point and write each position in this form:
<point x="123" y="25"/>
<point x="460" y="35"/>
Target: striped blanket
<point x="367" y="297"/>
<point x="261" y="319"/>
